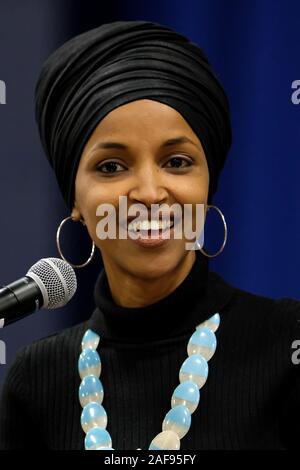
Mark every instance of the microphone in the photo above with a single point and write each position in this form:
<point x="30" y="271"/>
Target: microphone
<point x="50" y="283"/>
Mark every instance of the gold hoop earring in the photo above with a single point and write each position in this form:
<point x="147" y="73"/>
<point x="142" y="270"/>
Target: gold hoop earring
<point x="59" y="247"/>
<point x="225" y="234"/>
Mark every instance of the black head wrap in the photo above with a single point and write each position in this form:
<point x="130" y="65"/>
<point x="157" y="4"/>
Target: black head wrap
<point x="119" y="62"/>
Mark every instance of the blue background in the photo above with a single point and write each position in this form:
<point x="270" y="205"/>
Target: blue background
<point x="254" y="49"/>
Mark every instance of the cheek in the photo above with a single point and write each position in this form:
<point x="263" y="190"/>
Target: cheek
<point x="90" y="194"/>
<point x="193" y="193"/>
<point x="192" y="190"/>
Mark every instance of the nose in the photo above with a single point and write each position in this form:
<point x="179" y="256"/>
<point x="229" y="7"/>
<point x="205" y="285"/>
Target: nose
<point x="148" y="186"/>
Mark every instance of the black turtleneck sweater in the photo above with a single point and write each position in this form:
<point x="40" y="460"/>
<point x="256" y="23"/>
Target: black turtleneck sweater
<point x="251" y="399"/>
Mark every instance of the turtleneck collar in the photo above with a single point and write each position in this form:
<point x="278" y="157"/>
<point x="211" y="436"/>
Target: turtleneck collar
<point x="199" y="296"/>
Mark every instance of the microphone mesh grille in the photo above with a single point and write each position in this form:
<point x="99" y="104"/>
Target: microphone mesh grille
<point x="56" y="279"/>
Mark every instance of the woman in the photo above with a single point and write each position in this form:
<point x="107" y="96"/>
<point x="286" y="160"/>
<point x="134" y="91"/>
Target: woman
<point x="134" y="109"/>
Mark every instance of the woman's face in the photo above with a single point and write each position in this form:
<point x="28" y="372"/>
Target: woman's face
<point x="146" y="172"/>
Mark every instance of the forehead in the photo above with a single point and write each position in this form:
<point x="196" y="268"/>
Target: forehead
<point x="147" y="118"/>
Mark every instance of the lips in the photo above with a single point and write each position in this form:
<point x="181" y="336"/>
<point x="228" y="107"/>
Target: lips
<point x="152" y="239"/>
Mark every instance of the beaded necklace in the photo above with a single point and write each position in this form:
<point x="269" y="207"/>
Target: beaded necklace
<point x="185" y="399"/>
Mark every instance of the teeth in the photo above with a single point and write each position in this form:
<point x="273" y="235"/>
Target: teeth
<point x="153" y="225"/>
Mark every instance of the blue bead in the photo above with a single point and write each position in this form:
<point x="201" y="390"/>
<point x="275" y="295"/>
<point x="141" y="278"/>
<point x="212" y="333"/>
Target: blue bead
<point x="178" y="419"/>
<point x="89" y="363"/>
<point x="90" y="340"/>
<point x="204" y="337"/>
<point x="194" y="368"/>
<point x="212" y="323"/>
<point x="97" y="438"/>
<point x="187" y="390"/>
<point x="203" y="341"/>
<point x="195" y="364"/>
<point x="93" y="415"/>
<point x="187" y="393"/>
<point x="90" y="389"/>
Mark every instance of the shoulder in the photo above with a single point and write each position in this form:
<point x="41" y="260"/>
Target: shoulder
<point x="65" y="342"/>
<point x="275" y="313"/>
<point x="46" y="353"/>
<point x="260" y="331"/>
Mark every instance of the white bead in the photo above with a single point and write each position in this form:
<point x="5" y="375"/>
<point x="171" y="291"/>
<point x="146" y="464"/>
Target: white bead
<point x="165" y="440"/>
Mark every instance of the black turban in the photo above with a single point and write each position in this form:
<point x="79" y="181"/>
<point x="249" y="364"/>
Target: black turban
<point x="106" y="67"/>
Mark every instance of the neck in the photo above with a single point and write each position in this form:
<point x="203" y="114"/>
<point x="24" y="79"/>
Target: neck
<point x="140" y="292"/>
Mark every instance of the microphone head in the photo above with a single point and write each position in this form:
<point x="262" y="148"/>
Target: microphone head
<point x="56" y="280"/>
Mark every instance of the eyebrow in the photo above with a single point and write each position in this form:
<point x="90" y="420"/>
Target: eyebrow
<point x="167" y="143"/>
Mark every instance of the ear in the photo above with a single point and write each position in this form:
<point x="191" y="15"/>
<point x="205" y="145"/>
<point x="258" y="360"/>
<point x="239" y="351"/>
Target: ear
<point x="75" y="214"/>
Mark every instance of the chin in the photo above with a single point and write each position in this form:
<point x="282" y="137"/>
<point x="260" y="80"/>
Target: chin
<point x="151" y="272"/>
<point x="154" y="263"/>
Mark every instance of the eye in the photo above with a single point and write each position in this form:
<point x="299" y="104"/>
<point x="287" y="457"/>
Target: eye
<point x="110" y="166"/>
<point x="178" y="161"/>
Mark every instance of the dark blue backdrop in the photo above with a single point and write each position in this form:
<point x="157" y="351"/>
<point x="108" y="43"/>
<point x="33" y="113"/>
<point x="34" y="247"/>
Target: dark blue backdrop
<point x="254" y="48"/>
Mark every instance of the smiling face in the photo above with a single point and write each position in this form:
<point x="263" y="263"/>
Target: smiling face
<point x="145" y="171"/>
